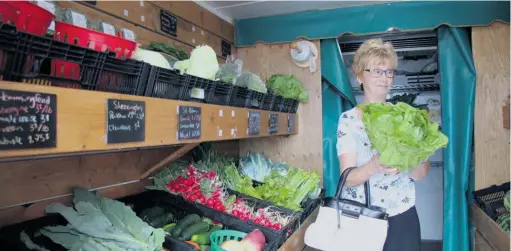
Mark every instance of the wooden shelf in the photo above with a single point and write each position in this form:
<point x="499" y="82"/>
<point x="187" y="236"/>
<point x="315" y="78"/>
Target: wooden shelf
<point x="82" y="121"/>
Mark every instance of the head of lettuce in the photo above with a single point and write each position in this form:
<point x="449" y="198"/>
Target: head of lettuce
<point x="402" y="135"/>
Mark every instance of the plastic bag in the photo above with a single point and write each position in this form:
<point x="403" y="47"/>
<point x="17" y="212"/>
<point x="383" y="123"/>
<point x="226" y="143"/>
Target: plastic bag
<point x="251" y="81"/>
<point x="228" y="71"/>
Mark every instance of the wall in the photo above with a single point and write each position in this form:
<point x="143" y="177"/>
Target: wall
<point x="30" y="185"/>
<point x="195" y="25"/>
<point x="490" y="48"/>
<point x="305" y="149"/>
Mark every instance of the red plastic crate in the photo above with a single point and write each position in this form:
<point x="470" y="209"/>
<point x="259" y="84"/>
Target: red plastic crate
<point x="31" y="17"/>
<point x="91" y="39"/>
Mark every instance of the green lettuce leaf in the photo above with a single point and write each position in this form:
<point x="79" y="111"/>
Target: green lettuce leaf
<point x="402" y="135"/>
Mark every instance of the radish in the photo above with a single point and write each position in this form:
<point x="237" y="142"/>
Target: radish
<point x="254" y="241"/>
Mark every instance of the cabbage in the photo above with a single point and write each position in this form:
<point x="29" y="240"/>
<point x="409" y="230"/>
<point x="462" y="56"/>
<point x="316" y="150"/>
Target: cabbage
<point x="151" y="57"/>
<point x="203" y="62"/>
<point x="401" y="134"/>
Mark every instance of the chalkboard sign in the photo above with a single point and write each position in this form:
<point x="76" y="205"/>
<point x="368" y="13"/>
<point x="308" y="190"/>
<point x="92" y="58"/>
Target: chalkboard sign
<point x="189" y="122"/>
<point x="273" y="127"/>
<point x="226" y="48"/>
<point x="125" y="121"/>
<point x="27" y="120"/>
<point x="254" y="123"/>
<point x="168" y="23"/>
<point x="290" y="123"/>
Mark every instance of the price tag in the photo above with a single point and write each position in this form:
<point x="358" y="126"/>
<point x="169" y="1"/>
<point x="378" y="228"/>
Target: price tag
<point x="254" y="123"/>
<point x="27" y="120"/>
<point x="273" y="126"/>
<point x="189" y="122"/>
<point x="125" y="121"/>
<point x="79" y="19"/>
<point x="108" y="29"/>
<point x="128" y="34"/>
<point x="290" y="123"/>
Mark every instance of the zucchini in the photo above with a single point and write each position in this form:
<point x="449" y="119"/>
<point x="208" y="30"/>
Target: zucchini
<point x="196" y="228"/>
<point x="160" y="221"/>
<point x="203" y="238"/>
<point x="152" y="212"/>
<point x="183" y="223"/>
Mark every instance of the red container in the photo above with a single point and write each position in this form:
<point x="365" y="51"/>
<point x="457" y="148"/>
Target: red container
<point x="95" y="40"/>
<point x="8" y="13"/>
<point x="32" y="18"/>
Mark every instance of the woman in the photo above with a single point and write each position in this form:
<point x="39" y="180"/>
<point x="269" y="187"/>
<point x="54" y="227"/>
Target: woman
<point x="374" y="66"/>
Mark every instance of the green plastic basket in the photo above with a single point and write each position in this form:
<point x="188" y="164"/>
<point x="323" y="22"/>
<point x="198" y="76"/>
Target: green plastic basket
<point x="221" y="236"/>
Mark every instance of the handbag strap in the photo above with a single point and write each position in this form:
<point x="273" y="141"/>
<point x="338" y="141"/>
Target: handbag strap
<point x="342" y="181"/>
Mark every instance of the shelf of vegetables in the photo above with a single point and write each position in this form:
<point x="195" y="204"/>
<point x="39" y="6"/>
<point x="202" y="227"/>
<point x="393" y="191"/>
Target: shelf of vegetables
<point x="82" y="124"/>
<point x="217" y="188"/>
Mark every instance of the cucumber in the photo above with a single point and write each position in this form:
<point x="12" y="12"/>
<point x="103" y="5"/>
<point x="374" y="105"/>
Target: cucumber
<point x="167" y="228"/>
<point x="208" y="220"/>
<point x="183" y="223"/>
<point x="203" y="238"/>
<point x="196" y="228"/>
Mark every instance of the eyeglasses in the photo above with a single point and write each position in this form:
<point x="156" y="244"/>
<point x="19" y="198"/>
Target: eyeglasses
<point x="376" y="73"/>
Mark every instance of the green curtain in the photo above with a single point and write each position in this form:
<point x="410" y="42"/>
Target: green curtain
<point x="337" y="98"/>
<point x="365" y="19"/>
<point x="458" y="79"/>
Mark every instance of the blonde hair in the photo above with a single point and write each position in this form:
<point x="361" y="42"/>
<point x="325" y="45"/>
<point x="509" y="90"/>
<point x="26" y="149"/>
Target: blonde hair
<point x="373" y="52"/>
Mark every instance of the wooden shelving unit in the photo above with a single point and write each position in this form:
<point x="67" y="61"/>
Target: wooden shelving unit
<point x="81" y="121"/>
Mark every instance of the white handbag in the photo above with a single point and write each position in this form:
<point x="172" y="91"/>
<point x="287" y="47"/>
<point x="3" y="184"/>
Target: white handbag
<point x="348" y="225"/>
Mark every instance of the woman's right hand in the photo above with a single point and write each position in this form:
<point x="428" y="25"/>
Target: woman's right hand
<point x="374" y="165"/>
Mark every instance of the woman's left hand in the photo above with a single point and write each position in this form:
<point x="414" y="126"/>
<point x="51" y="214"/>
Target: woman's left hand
<point x="420" y="172"/>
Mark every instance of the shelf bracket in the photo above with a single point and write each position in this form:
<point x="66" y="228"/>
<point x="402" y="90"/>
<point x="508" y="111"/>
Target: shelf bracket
<point x="171" y="158"/>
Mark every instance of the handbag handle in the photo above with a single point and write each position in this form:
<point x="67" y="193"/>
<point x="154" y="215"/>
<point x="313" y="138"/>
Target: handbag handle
<point x="342" y="181"/>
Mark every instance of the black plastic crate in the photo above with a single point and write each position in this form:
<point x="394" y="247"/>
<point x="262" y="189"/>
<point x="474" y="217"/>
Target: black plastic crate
<point x="256" y="100"/>
<point x="45" y="61"/>
<point x="124" y="76"/>
<point x="241" y="97"/>
<point x="269" y="99"/>
<point x="491" y="199"/>
<point x="10" y="235"/>
<point x="164" y="83"/>
<point x="290" y="105"/>
<point x="8" y="49"/>
<point x="278" y="104"/>
<point x="230" y="222"/>
<point x="198" y="89"/>
<point x="222" y="94"/>
<point x="308" y="205"/>
<point x="293" y="107"/>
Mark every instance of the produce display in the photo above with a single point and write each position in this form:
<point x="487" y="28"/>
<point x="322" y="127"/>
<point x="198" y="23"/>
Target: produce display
<point x="401" y="134"/>
<point x="202" y="63"/>
<point x="202" y="183"/>
<point x="288" y="86"/>
<point x="283" y="186"/>
<point x="503" y="219"/>
<point x="96" y="223"/>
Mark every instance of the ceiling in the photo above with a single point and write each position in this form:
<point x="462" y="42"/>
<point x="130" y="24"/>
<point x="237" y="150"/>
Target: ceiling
<point x="229" y="10"/>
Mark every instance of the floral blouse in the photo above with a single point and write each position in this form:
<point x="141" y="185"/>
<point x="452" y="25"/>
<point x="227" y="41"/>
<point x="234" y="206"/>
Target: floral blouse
<point x="395" y="193"/>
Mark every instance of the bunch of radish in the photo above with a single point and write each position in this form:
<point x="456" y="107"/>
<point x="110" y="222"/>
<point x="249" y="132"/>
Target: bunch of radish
<point x="274" y="220"/>
<point x="241" y="210"/>
<point x="199" y="186"/>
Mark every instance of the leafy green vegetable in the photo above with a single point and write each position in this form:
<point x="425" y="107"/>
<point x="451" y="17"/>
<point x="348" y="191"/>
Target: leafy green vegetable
<point x="233" y="180"/>
<point x="256" y="166"/>
<point x="401" y="134"/>
<point x="250" y="81"/>
<point x="288" y="86"/>
<point x="290" y="190"/>
<point x="97" y="223"/>
<point x="178" y="53"/>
